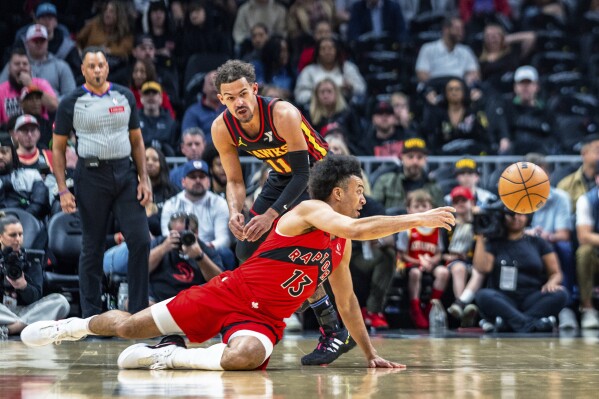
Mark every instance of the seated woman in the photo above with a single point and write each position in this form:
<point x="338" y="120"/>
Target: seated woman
<point x="158" y="24"/>
<point x="503" y="53"/>
<point x="109" y="29"/>
<point x="524" y="291"/>
<point x="329" y="62"/>
<point x="454" y="126"/>
<point x="274" y="67"/>
<point x="328" y="105"/>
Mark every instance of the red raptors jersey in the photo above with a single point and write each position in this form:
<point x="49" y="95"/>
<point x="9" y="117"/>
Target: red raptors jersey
<point x="285" y="271"/>
<point x="268" y="145"/>
<point x="422" y="241"/>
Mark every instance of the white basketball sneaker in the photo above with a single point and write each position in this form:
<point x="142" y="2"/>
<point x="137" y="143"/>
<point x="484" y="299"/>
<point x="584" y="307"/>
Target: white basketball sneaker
<point x="47" y="332"/>
<point x="153" y="357"/>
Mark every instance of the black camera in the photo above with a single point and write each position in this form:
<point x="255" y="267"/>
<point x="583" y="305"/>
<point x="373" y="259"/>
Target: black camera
<point x="187" y="237"/>
<point x="489" y="221"/>
<point x="12" y="263"/>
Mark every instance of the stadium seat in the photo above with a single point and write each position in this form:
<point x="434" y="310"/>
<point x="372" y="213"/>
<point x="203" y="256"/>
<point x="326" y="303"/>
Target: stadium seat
<point x="548" y="62"/>
<point x="64" y="248"/>
<point x="427" y="21"/>
<point x="576" y="116"/>
<point x="202" y="63"/>
<point x="565" y="82"/>
<point x="547" y="40"/>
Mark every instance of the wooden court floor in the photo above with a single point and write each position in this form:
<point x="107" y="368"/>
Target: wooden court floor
<point x="456" y="366"/>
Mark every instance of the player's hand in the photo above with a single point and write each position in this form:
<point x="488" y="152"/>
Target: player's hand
<point x="236" y="223"/>
<point x="67" y="203"/>
<point x="379" y="362"/>
<point x="144" y="193"/>
<point x="258" y="226"/>
<point x="439" y="217"/>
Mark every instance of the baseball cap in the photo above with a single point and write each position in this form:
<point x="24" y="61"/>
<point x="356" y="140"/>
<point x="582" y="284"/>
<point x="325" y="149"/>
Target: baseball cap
<point x="461" y="191"/>
<point x="331" y="128"/>
<point x="143" y="39"/>
<point x="25" y="120"/>
<point x="45" y="9"/>
<point x="151" y="86"/>
<point x="414" y="144"/>
<point x="30" y="90"/>
<point x="526" y="72"/>
<point x="36" y="31"/>
<point x="383" y="107"/>
<point x="192" y="166"/>
<point x="157" y="5"/>
<point x="466" y="165"/>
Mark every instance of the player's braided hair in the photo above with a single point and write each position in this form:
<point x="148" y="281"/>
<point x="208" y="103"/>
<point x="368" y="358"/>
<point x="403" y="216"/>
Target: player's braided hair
<point x="233" y="70"/>
<point x="330" y="172"/>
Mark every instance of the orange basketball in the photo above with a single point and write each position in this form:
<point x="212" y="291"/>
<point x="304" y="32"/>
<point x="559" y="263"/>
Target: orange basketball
<point x="523" y="187"/>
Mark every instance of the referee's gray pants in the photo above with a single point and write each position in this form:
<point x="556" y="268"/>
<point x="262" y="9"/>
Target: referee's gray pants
<point x="112" y="186"/>
<point x="50" y="307"/>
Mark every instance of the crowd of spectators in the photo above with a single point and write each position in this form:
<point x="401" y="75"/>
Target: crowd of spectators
<point x="397" y="78"/>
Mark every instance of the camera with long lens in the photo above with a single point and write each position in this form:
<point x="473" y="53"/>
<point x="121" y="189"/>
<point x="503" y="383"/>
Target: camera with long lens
<point x="187" y="238"/>
<point x="489" y="221"/>
<point x="12" y="263"/>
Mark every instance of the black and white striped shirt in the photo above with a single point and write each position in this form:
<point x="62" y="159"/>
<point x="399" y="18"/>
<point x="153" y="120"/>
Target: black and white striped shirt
<point x="101" y="122"/>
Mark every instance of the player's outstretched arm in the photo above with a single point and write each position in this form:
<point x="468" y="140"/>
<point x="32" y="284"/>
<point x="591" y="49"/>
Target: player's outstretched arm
<point x="317" y="214"/>
<point x="349" y="309"/>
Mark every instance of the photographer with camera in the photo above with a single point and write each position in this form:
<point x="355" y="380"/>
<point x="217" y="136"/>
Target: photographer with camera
<point x="523" y="291"/>
<point x="210" y="209"/>
<point x="181" y="259"/>
<point x="22" y="301"/>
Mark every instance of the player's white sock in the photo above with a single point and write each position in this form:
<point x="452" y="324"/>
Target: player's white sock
<point x="200" y="358"/>
<point x="80" y="326"/>
<point x="467" y="296"/>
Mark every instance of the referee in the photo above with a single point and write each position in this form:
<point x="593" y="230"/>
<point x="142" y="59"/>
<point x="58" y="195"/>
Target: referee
<point x="104" y="118"/>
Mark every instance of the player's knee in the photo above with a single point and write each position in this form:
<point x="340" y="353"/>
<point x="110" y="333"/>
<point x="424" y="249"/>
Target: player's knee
<point x="414" y="273"/>
<point x="441" y="272"/>
<point x="247" y="354"/>
<point x="458" y="269"/>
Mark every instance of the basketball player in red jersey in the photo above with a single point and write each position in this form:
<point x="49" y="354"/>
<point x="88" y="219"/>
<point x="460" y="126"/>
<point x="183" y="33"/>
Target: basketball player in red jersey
<point x="276" y="132"/>
<point x="247" y="306"/>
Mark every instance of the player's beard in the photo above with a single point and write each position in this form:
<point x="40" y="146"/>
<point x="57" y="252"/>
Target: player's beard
<point x="197" y="190"/>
